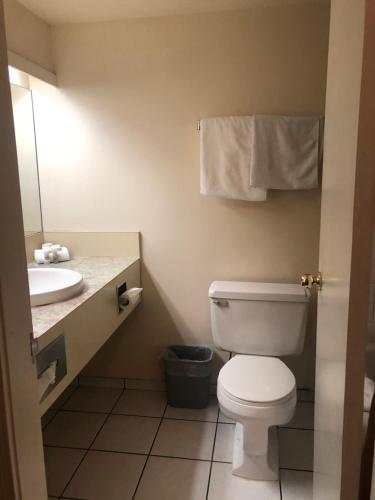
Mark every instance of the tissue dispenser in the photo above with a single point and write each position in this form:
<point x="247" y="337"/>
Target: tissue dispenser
<point x="52" y="356"/>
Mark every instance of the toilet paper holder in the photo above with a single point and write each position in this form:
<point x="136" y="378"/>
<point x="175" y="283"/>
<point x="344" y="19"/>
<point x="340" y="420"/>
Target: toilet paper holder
<point x="127" y="296"/>
<point x="122" y="300"/>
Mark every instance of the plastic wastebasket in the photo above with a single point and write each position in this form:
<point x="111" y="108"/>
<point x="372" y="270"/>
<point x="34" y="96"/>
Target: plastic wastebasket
<point x="188" y="373"/>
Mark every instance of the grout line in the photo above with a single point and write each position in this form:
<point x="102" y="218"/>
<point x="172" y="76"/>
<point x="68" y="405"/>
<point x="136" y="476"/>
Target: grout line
<point x="137" y="453"/>
<point x="101" y="378"/>
<point x="296" y="428"/>
<point x="192" y="420"/>
<point x="180" y="458"/>
<point x="92" y="442"/>
<point x="47" y="424"/>
<point x="63" y="410"/>
<point x="99" y="449"/>
<point x="281" y="492"/>
<point x="66" y="400"/>
<point x="149" y="453"/>
<point x="64" y="447"/>
<point x="120" y="452"/>
<point x="296" y="470"/>
<point x="135" y="415"/>
<point x="111" y="412"/>
<point x="71" y="498"/>
<point x="212" y="454"/>
<point x="143" y="416"/>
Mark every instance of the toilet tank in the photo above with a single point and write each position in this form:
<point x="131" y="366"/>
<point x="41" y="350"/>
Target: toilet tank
<point x="259" y="318"/>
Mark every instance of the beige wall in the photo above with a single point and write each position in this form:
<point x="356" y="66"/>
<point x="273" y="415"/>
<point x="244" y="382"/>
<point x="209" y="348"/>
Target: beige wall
<point x="119" y="151"/>
<point x="27" y="35"/>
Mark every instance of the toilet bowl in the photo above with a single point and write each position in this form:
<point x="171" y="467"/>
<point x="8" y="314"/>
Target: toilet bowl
<point x="258" y="393"/>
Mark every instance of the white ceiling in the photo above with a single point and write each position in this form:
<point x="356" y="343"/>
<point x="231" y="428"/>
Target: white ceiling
<point x="75" y="11"/>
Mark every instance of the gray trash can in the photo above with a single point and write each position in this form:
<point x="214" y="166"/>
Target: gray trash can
<point x="188" y="374"/>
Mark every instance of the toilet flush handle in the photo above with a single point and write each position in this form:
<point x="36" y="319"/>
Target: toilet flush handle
<point x="221" y="302"/>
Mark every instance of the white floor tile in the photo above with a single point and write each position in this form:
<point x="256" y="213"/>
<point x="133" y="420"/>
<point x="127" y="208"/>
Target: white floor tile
<point x="224" y="443"/>
<point x="173" y="478"/>
<point x="96" y="399"/>
<point x="73" y="429"/>
<point x="60" y="466"/>
<point x="142" y="403"/>
<point x="208" y="414"/>
<point x="179" y="438"/>
<point x="296" y="449"/>
<point x="296" y="485"/>
<point x="127" y="434"/>
<point x="225" y="486"/>
<point x="106" y="476"/>
<point x="303" y="417"/>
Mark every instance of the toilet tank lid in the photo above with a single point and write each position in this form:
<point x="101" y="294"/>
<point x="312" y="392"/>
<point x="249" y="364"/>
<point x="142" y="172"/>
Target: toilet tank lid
<point x="237" y="290"/>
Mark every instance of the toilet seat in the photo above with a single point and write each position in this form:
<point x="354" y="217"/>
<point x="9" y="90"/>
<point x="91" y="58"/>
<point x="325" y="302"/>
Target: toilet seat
<point x="257" y="380"/>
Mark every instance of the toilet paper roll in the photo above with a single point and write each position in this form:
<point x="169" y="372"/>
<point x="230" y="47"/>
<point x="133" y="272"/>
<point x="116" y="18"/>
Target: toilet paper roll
<point x="133" y="294"/>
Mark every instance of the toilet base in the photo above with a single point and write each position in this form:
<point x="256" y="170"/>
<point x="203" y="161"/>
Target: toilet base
<point x="261" y="467"/>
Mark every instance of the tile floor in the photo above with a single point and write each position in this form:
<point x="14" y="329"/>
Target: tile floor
<point x="115" y="444"/>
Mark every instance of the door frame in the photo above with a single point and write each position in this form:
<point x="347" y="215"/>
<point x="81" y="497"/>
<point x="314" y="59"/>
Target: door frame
<point x="9" y="480"/>
<point x="363" y="228"/>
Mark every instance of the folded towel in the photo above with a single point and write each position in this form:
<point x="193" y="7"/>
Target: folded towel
<point x="285" y="152"/>
<point x="41" y="256"/>
<point x="225" y="146"/>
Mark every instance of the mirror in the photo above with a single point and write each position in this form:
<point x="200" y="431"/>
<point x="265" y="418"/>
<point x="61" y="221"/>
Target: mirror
<point x="23" y="116"/>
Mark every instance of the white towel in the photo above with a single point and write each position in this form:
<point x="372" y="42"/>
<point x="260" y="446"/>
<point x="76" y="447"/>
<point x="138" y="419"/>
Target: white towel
<point x="285" y="152"/>
<point x="225" y="148"/>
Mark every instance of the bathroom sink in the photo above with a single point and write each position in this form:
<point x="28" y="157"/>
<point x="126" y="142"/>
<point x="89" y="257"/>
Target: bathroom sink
<point x="51" y="285"/>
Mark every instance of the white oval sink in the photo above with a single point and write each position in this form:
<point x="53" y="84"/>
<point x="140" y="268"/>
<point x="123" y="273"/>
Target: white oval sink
<point x="53" y="285"/>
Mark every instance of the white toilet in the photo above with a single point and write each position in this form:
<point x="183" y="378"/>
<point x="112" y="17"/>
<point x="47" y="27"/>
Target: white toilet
<point x="257" y="322"/>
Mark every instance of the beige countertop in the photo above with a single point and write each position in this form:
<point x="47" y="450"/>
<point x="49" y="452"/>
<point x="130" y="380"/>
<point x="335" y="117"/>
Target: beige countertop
<point x="96" y="272"/>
